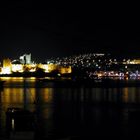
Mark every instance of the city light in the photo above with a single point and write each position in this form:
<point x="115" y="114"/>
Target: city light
<point x="101" y="65"/>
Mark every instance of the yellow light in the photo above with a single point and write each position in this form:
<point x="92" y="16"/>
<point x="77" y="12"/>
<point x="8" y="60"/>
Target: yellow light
<point x="99" y="75"/>
<point x="45" y="67"/>
<point x="32" y="70"/>
<point x="64" y="70"/>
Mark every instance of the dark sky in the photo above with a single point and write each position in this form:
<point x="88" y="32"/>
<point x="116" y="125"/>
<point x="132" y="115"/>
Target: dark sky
<point x="66" y="30"/>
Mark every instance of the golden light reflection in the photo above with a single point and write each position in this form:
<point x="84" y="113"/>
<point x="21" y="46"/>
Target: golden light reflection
<point x="32" y="92"/>
<point x="13" y="95"/>
<point x="46" y="94"/>
<point x="125" y="95"/>
<point x="16" y="95"/>
<point x="33" y="78"/>
<point x="132" y="95"/>
<point x="129" y="95"/>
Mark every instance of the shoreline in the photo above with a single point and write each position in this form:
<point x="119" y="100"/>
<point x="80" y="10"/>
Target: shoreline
<point x="50" y="81"/>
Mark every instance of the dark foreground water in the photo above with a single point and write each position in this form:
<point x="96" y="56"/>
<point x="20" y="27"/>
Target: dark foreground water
<point x="74" y="112"/>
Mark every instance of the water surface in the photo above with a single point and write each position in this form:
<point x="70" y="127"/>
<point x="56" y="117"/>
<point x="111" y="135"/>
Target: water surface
<point x="74" y="112"/>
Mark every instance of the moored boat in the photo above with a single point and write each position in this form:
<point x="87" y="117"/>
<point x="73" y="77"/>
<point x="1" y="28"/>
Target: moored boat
<point x="20" y="123"/>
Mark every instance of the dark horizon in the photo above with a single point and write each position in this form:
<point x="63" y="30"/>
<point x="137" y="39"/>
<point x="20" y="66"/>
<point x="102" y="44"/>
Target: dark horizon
<point x="65" y="31"/>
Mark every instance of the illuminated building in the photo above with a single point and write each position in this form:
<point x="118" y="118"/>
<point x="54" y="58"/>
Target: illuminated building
<point x="30" y="67"/>
<point x="52" y="67"/>
<point x="48" y="67"/>
<point x="25" y="59"/>
<point x="17" y="66"/>
<point x="65" y="70"/>
<point x="6" y="63"/>
<point x="6" y="69"/>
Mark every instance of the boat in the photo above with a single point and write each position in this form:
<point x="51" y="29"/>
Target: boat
<point x="20" y="123"/>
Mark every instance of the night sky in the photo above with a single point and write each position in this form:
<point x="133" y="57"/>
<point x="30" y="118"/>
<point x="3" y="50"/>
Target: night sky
<point x="59" y="31"/>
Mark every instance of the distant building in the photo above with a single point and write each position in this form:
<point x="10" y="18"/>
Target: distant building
<point x="6" y="62"/>
<point x="65" y="70"/>
<point x="16" y="66"/>
<point x="6" y="69"/>
<point x="25" y="59"/>
<point x="48" y="67"/>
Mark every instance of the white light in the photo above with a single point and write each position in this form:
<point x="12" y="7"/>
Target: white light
<point x="13" y="124"/>
<point x="17" y="68"/>
<point x="6" y="70"/>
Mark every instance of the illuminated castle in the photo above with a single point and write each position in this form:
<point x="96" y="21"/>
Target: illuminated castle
<point x="24" y="63"/>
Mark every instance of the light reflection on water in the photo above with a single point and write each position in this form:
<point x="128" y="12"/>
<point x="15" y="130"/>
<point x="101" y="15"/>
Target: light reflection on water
<point x="73" y="112"/>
